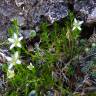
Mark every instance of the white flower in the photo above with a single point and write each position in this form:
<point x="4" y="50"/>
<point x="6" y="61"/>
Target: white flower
<point x="15" y="41"/>
<point x="77" y="24"/>
<point x="30" y="67"/>
<point x="10" y="74"/>
<point x="13" y="60"/>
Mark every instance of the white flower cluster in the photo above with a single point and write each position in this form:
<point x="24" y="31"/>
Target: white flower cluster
<point x="16" y="42"/>
<point x="14" y="59"/>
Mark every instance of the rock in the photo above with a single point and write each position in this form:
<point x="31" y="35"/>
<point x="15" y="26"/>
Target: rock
<point x="92" y="16"/>
<point x="30" y="13"/>
<point x="32" y="93"/>
<point x="19" y="2"/>
<point x="86" y="10"/>
<point x="56" y="12"/>
<point x="7" y="11"/>
<point x="4" y="24"/>
<point x="51" y="10"/>
<point x="25" y="33"/>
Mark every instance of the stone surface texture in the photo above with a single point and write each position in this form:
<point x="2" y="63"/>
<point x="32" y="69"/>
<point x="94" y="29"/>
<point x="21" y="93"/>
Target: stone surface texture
<point x="86" y="10"/>
<point x="30" y="13"/>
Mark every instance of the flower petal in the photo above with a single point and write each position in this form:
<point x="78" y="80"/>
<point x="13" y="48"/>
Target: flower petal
<point x="12" y="46"/>
<point x="79" y="28"/>
<point x="20" y="38"/>
<point x="11" y="40"/>
<point x="80" y="22"/>
<point x="73" y="28"/>
<point x="8" y="58"/>
<point x="18" y="45"/>
<point x="75" y="21"/>
<point x="18" y="62"/>
<point x="15" y="36"/>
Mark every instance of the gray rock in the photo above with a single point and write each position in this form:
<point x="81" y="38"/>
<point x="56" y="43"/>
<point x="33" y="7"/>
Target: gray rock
<point x="4" y="24"/>
<point x="51" y="10"/>
<point x="21" y="2"/>
<point x="26" y="33"/>
<point x="56" y="12"/>
<point x="92" y="16"/>
<point x="32" y="93"/>
<point x="30" y="13"/>
<point x="7" y="11"/>
<point x="86" y="10"/>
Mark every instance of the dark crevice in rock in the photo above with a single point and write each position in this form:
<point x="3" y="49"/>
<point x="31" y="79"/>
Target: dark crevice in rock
<point x="87" y="31"/>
